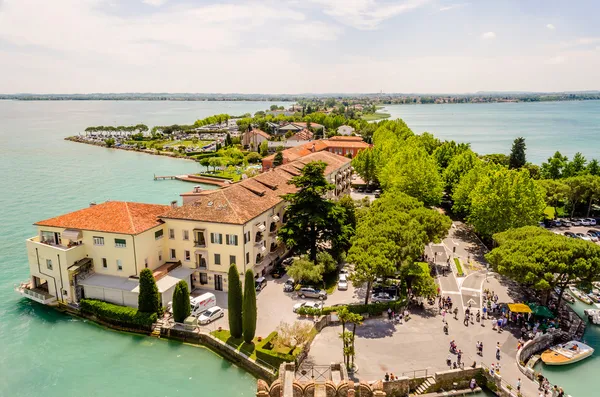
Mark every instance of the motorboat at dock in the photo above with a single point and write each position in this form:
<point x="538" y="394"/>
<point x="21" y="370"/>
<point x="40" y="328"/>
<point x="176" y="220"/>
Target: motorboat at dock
<point x="567" y="353"/>
<point x="580" y="295"/>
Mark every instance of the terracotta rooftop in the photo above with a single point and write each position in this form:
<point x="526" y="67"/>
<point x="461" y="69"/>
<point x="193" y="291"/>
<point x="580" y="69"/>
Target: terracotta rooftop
<point x="256" y="131"/>
<point x="298" y="152"/>
<point x="303" y="135"/>
<point x="111" y="217"/>
<point x="244" y="201"/>
<point x="346" y="138"/>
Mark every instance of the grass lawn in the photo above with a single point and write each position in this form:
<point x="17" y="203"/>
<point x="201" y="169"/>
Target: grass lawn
<point x="375" y="116"/>
<point x="225" y="174"/>
<point x="188" y="143"/>
<point x="246" y="348"/>
<point x="458" y="266"/>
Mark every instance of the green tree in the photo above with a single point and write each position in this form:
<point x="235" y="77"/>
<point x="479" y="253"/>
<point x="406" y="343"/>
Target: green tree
<point x="235" y="302"/>
<point x="418" y="279"/>
<point x="148" y="298"/>
<point x="575" y="167"/>
<point x="496" y="158"/>
<point x="553" y="168"/>
<point x="312" y="219"/>
<point x="109" y="142"/>
<point x="253" y="157"/>
<point x="228" y="141"/>
<point x="542" y="260"/>
<point x="556" y="191"/>
<point x="249" y="313"/>
<point x="364" y="164"/>
<point x="460" y="165"/>
<point x="306" y="271"/>
<point x="278" y="159"/>
<point x="347" y="337"/>
<point x="504" y="199"/>
<point x="593" y="168"/>
<point x="414" y="172"/>
<point x="264" y="148"/>
<point x="517" y="154"/>
<point x="181" y="302"/>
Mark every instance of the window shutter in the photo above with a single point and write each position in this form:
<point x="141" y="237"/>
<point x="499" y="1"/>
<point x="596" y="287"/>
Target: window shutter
<point x="227" y="239"/>
<point x="212" y="238"/>
<point x="235" y="240"/>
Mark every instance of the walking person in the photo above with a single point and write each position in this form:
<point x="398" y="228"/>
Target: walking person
<point x="498" y="351"/>
<point x="519" y="385"/>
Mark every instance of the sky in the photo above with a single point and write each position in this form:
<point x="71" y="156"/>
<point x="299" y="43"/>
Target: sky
<point x="298" y="46"/>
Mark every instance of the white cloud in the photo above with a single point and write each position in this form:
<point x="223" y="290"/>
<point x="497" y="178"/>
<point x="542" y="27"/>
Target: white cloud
<point x="550" y="26"/>
<point x="155" y="3"/>
<point x="367" y="14"/>
<point x="556" y="60"/>
<point x="488" y="35"/>
<point x="453" y="6"/>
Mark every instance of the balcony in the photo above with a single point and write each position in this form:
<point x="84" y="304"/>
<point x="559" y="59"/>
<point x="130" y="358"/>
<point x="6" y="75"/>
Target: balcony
<point x="38" y="294"/>
<point x="259" y="238"/>
<point x="69" y="254"/>
<point x="201" y="265"/>
<point x="200" y="243"/>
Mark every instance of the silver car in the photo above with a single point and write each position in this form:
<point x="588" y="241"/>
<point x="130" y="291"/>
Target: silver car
<point x="383" y="297"/>
<point x="310" y="292"/>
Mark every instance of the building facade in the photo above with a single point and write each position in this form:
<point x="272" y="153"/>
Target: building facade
<point x="98" y="252"/>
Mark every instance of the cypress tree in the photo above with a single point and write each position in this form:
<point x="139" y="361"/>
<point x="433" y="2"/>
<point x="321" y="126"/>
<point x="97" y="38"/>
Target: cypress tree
<point x="278" y="160"/>
<point x="249" y="314"/>
<point x="148" y="300"/>
<point x="234" y="302"/>
<point x="517" y="154"/>
<point x="181" y="302"/>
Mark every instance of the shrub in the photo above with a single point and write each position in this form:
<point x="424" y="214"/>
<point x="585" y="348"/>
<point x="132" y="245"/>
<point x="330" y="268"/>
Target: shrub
<point x="249" y="312"/>
<point x="181" y="302"/>
<point x="371" y="308"/>
<point x="235" y="302"/>
<point x="459" y="269"/>
<point x="148" y="299"/>
<point x="117" y="315"/>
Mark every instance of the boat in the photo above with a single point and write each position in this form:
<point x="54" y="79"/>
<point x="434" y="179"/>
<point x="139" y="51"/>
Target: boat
<point x="594" y="297"/>
<point x="567" y="297"/>
<point x="593" y="315"/>
<point x="580" y="295"/>
<point x="567" y="353"/>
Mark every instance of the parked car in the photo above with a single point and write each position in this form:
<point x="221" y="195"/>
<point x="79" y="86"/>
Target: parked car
<point x="211" y="315"/>
<point x="570" y="234"/>
<point x="278" y="271"/>
<point x="383" y="297"/>
<point x="202" y="303"/>
<point x="592" y="236"/>
<point x="360" y="189"/>
<point x="594" y="232"/>
<point x="592" y="221"/>
<point x="583" y="236"/>
<point x="557" y="223"/>
<point x="287" y="261"/>
<point x="377" y="193"/>
<point x="260" y="283"/>
<point x="289" y="285"/>
<point x="567" y="223"/>
<point x="576" y="222"/>
<point x="343" y="282"/>
<point x="311" y="305"/>
<point x="311" y="292"/>
<point x="585" y="222"/>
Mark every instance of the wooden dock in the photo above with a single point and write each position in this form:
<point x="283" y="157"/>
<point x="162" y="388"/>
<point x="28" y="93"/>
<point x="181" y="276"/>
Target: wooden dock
<point x="162" y="178"/>
<point x="194" y="179"/>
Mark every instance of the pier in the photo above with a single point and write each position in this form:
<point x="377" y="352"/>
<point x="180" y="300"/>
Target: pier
<point x="195" y="179"/>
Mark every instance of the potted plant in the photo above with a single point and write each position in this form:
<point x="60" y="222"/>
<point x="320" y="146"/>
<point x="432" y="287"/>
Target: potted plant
<point x="259" y="339"/>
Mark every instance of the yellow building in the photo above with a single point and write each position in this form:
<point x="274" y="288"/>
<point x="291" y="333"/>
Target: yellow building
<point x="98" y="252"/>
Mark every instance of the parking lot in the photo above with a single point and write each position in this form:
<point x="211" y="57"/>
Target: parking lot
<point x="275" y="306"/>
<point x="575" y="229"/>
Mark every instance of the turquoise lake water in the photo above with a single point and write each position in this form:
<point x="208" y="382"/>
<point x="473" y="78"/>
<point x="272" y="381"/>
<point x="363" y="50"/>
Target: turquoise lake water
<point x="569" y="127"/>
<point x="44" y="353"/>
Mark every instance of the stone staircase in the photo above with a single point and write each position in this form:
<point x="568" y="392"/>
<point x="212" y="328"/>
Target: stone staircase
<point x="156" y="328"/>
<point x="422" y="389"/>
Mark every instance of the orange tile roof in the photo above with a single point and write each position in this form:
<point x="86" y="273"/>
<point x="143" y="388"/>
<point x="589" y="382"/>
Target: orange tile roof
<point x="303" y="135"/>
<point x="244" y="201"/>
<point x="256" y="131"/>
<point x="347" y="144"/>
<point x="111" y="217"/>
<point x="346" y="138"/>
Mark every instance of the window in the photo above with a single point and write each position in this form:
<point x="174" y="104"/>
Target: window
<point x="186" y="254"/>
<point x="200" y="241"/>
<point x="217" y="259"/>
<point x="245" y="238"/>
<point x="120" y="243"/>
<point x="158" y="234"/>
<point x="232" y="259"/>
<point x="172" y="234"/>
<point x="186" y="234"/>
<point x="173" y="256"/>
<point x="146" y="263"/>
<point x="247" y="257"/>
<point x="216" y="238"/>
<point x="98" y="240"/>
<point x="119" y="265"/>
<point x="104" y="263"/>
<point x="203" y="278"/>
<point x="231" y="239"/>
<point x="49" y="264"/>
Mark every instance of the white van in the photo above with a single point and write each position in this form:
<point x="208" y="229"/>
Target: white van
<point x="202" y="303"/>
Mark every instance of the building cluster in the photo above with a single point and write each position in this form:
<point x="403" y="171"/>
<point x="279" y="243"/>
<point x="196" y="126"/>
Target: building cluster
<point x="99" y="251"/>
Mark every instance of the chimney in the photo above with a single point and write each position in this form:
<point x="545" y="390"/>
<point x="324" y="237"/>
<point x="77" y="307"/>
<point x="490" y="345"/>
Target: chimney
<point x="93" y="203"/>
<point x="197" y="189"/>
<point x="312" y="149"/>
<point x="174" y="204"/>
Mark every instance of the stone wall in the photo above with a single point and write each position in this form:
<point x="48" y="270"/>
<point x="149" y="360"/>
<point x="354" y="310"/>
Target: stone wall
<point x="534" y="346"/>
<point x="399" y="387"/>
<point x="454" y="379"/>
<point x="222" y="349"/>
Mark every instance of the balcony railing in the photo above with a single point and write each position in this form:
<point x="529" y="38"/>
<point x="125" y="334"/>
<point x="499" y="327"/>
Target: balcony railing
<point x="200" y="244"/>
<point x="201" y="265"/>
<point x="36" y="294"/>
<point x="259" y="237"/>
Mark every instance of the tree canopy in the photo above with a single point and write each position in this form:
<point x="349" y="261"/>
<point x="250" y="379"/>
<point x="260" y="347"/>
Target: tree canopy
<point x="517" y="154"/>
<point x="181" y="302"/>
<point x="234" y="302"/>
<point x="148" y="298"/>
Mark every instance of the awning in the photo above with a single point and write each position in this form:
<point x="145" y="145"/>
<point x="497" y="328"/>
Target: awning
<point x="72" y="234"/>
<point x="261" y="227"/>
<point x="201" y="251"/>
<point x="275" y="218"/>
<point x="540" y="311"/>
<point x="263" y="248"/>
<point x="199" y="230"/>
<point x="519" y="308"/>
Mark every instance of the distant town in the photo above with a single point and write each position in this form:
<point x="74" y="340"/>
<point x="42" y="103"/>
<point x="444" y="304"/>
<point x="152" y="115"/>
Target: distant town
<point x="377" y="98"/>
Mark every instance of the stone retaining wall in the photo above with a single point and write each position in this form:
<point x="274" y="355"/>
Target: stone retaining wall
<point x="221" y="348"/>
<point x="534" y="346"/>
<point x="454" y="379"/>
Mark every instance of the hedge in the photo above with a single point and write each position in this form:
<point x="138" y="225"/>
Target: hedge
<point x="118" y="315"/>
<point x="203" y="155"/>
<point x="265" y="353"/>
<point x="216" y="176"/>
